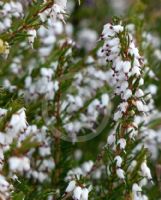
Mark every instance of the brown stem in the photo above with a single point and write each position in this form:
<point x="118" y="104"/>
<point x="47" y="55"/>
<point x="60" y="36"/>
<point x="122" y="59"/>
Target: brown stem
<point x="57" y="133"/>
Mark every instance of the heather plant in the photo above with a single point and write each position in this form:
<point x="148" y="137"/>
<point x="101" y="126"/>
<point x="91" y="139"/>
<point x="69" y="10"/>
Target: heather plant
<point x="79" y="100"/>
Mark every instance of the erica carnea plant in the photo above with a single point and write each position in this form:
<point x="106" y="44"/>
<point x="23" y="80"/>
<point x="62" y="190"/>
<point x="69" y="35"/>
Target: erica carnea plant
<point x="80" y="113"/>
<point x="127" y="71"/>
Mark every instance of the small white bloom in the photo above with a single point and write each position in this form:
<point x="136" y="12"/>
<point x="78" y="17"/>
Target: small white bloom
<point x="118" y="160"/>
<point x="2" y="112"/>
<point x="84" y="195"/>
<point x="126" y="66"/>
<point x="124" y="85"/>
<point x="153" y="89"/>
<point x="144" y="197"/>
<point x="48" y="72"/>
<point x="136" y="188"/>
<point x="42" y="176"/>
<point x="87" y="166"/>
<point x="18" y="122"/>
<point x="70" y="186"/>
<point x="118" y="64"/>
<point x="136" y="71"/>
<point x="122" y="143"/>
<point x="77" y="193"/>
<point x="44" y="151"/>
<point x="19" y="164"/>
<point x="113" y="42"/>
<point x="111" y="139"/>
<point x="143" y="182"/>
<point x="105" y="99"/>
<point x="140" y="106"/>
<point x="157" y="54"/>
<point x="78" y="101"/>
<point x="117" y="115"/>
<point x="145" y="170"/>
<point x="120" y="173"/>
<point x="123" y="106"/>
<point x="28" y="82"/>
<point x="139" y="93"/>
<point x="3" y="182"/>
<point x="132" y="132"/>
<point x="118" y="28"/>
<point x="141" y="82"/>
<point x="127" y="94"/>
<point x="31" y="36"/>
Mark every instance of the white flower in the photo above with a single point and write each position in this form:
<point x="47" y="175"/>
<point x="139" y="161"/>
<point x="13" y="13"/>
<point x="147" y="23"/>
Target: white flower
<point x="153" y="89"/>
<point x="127" y="94"/>
<point x="19" y="164"/>
<point x="61" y="3"/>
<point x="118" y="160"/>
<point x="120" y="173"/>
<point x="123" y="106"/>
<point x="70" y="186"/>
<point x="48" y="72"/>
<point x="118" y="63"/>
<point x="139" y="93"/>
<point x="117" y="115"/>
<point x="111" y="139"/>
<point x="157" y="54"/>
<point x="136" y="71"/>
<point x="143" y="182"/>
<point x="31" y="36"/>
<point x="134" y="51"/>
<point x="136" y="188"/>
<point x="141" y="82"/>
<point x="4" y="185"/>
<point x="78" y="101"/>
<point x="146" y="171"/>
<point x="132" y="132"/>
<point x="144" y="197"/>
<point x="87" y="166"/>
<point x="42" y="176"/>
<point x="113" y="42"/>
<point x="118" y="28"/>
<point x="18" y="122"/>
<point x="44" y="151"/>
<point x="28" y="81"/>
<point x="105" y="99"/>
<point x="2" y="112"/>
<point x="122" y="143"/>
<point x="58" y="10"/>
<point x="43" y="15"/>
<point x="124" y="85"/>
<point x="136" y="192"/>
<point x="84" y="195"/>
<point x="126" y="66"/>
<point x="140" y="106"/>
<point x="115" y="50"/>
<point x="77" y="193"/>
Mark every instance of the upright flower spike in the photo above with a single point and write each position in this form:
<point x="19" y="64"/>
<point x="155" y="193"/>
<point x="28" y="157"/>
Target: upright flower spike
<point x="126" y="72"/>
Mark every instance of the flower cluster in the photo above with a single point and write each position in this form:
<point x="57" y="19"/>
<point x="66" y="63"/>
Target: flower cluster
<point x="44" y="86"/>
<point x="11" y="9"/>
<point x="126" y="72"/>
<point x="13" y="131"/>
<point x="56" y="11"/>
<point x="42" y="165"/>
<point x="77" y="192"/>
